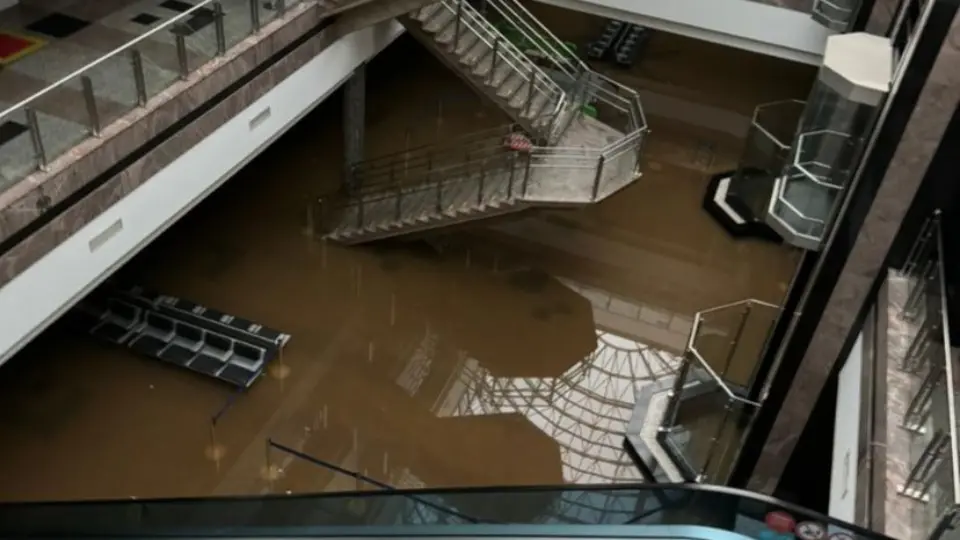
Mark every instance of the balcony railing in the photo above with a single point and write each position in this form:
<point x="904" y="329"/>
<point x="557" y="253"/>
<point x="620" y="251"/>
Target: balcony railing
<point x="129" y="77"/>
<point x="837" y="15"/>
<point x="708" y="410"/>
<point x="765" y="154"/>
<point x="810" y="189"/>
<point x="595" y="511"/>
<point x="931" y="416"/>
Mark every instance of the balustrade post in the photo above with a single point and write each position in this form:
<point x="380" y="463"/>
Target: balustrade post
<point x="459" y="23"/>
<point x="482" y="182"/>
<point x="530" y="88"/>
<point x="736" y="340"/>
<point x="399" y="188"/>
<point x="675" y="394"/>
<point x="182" y="61"/>
<point x="439" y="183"/>
<point x="924" y="472"/>
<point x="221" y="34"/>
<point x="91" y="102"/>
<point x="526" y="175"/>
<point x="919" y="348"/>
<point x="513" y="172"/>
<point x="255" y="15"/>
<point x="912" y="306"/>
<point x="916" y="250"/>
<point x="36" y="137"/>
<point x="598" y="177"/>
<point x="714" y="442"/>
<point x="139" y="81"/>
<point x="360" y="210"/>
<point x="280" y="6"/>
<point x="919" y="408"/>
<point x="493" y="59"/>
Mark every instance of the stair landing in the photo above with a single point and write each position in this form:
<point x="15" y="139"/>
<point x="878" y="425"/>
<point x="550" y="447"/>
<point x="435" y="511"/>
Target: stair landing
<point x="565" y="178"/>
<point x="570" y="180"/>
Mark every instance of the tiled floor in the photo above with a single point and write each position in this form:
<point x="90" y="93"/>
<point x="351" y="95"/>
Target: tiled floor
<point x="86" y="31"/>
<point x="411" y="366"/>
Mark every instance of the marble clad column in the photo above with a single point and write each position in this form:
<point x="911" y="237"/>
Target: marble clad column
<point x="858" y="252"/>
<point x="354" y="113"/>
<point x="882" y="15"/>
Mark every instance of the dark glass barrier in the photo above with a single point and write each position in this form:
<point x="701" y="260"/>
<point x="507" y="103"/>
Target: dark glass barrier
<point x="473" y="510"/>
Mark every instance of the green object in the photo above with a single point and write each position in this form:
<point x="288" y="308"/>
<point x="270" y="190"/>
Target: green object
<point x="589" y="110"/>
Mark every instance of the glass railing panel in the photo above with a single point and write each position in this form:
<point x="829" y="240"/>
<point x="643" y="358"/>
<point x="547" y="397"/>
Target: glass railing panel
<point x="731" y="338"/>
<point x="270" y="10"/>
<point x="238" y="22"/>
<point x="766" y="152"/>
<point x="811" y="187"/>
<point x="526" y="511"/>
<point x="85" y="102"/>
<point x="709" y="409"/>
<point x="705" y="423"/>
<point x="933" y="481"/>
<point x="836" y="15"/>
<point x="19" y="156"/>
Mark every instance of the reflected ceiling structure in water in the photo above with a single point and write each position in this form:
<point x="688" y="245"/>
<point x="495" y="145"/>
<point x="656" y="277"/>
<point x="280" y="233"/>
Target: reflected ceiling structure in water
<point x="585" y="410"/>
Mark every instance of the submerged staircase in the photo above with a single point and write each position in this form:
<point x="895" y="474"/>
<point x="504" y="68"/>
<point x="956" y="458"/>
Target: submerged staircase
<point x="576" y="137"/>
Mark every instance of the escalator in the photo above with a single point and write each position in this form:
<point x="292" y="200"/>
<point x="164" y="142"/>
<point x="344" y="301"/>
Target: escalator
<point x="600" y="511"/>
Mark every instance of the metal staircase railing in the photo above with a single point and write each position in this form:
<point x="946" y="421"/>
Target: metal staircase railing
<point x="430" y="174"/>
<point x="505" y="60"/>
<point x="497" y="178"/>
<point x="709" y="409"/>
<point x="551" y="49"/>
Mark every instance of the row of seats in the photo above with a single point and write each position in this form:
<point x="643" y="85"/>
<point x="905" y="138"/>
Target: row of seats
<point x="620" y="42"/>
<point x="157" y="336"/>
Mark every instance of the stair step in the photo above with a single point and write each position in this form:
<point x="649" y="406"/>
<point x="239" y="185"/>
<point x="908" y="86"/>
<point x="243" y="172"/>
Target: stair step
<point x="538" y="106"/>
<point x="479" y="52"/>
<point x="501" y="72"/>
<point x="509" y="88"/>
<point x="445" y="36"/>
<point x="427" y="11"/>
<point x="468" y="40"/>
<point x="482" y="67"/>
<point x="439" y="20"/>
<point x="519" y="98"/>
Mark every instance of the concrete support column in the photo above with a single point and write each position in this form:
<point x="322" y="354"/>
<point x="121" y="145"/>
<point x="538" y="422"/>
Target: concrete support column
<point x="354" y="119"/>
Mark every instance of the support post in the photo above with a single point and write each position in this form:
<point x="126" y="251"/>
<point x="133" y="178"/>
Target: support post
<point x="354" y="113"/>
<point x="91" y="101"/>
<point x="139" y="80"/>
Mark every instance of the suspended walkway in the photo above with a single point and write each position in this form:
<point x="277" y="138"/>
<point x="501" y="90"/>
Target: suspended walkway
<point x="576" y="137"/>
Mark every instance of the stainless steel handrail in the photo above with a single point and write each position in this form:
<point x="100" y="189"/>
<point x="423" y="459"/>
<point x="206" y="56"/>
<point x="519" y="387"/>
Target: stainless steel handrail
<point x="949" y="368"/>
<point x="481" y="26"/>
<point x="126" y="46"/>
<point x="691" y="349"/>
<point x="553" y="49"/>
<point x="521" y="64"/>
<point x="94" y="127"/>
<point x="756" y="121"/>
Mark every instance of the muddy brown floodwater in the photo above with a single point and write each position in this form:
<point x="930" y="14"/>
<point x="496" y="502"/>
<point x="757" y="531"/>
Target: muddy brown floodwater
<point x="509" y="357"/>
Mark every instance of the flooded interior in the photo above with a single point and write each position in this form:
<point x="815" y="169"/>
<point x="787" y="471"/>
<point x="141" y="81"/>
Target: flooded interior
<point x="415" y="363"/>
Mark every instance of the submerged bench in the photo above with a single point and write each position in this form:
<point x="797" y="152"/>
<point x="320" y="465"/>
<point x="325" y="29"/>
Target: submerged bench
<point x="228" y="348"/>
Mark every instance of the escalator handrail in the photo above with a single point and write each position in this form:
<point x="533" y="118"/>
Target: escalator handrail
<point x="692" y="488"/>
<point x="385" y="487"/>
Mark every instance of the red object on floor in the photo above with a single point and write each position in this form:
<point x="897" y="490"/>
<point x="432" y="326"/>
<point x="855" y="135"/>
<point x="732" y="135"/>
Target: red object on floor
<point x="518" y="142"/>
<point x="11" y="45"/>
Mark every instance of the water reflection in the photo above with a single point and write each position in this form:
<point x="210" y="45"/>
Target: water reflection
<point x="470" y="360"/>
<point x="585" y="410"/>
